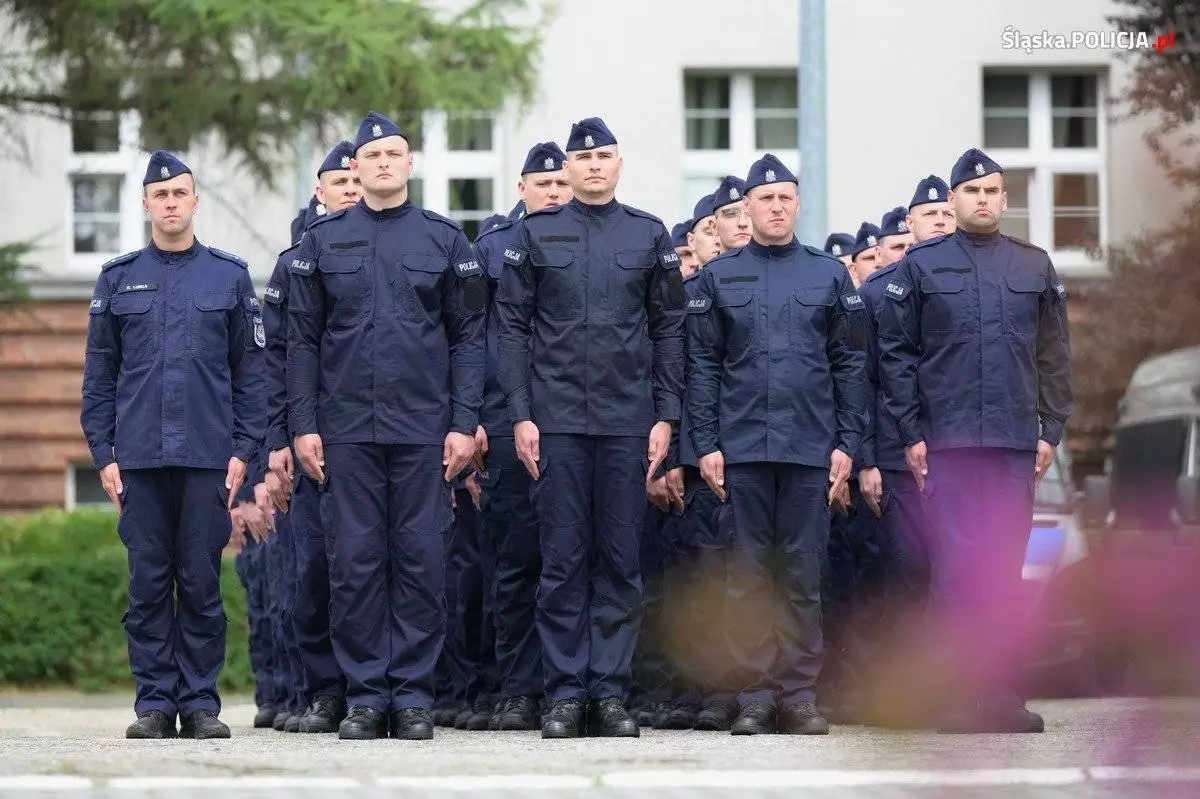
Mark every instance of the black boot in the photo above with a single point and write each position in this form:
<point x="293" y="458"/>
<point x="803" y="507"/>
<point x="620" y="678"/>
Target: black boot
<point x="324" y="715"/>
<point x="518" y="713"/>
<point x="363" y="724"/>
<point x="444" y="716"/>
<point x="608" y="718"/>
<point x="676" y="717"/>
<point x="481" y="714"/>
<point x="265" y="717"/>
<point x="564" y="719"/>
<point x="280" y="720"/>
<point x="756" y="718"/>
<point x="412" y="724"/>
<point x="802" y="718"/>
<point x="203" y="725"/>
<point x="714" y="717"/>
<point x="152" y="724"/>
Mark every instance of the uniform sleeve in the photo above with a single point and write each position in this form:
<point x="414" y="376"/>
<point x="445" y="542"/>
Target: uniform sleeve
<point x="705" y="356"/>
<point x="247" y="341"/>
<point x="464" y="315"/>
<point x="898" y="318"/>
<point x="866" y="458"/>
<point x="1055" y="400"/>
<point x="515" y="299"/>
<point x="102" y="363"/>
<point x="275" y="321"/>
<point x="846" y="348"/>
<point x="665" y="319"/>
<point x="306" y="324"/>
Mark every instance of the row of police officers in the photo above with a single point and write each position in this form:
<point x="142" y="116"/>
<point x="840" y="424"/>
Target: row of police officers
<point x="463" y="439"/>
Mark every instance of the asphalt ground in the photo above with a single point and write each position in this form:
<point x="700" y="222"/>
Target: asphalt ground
<point x="63" y="745"/>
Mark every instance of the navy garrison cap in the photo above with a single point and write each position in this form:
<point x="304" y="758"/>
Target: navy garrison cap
<point x="839" y="244"/>
<point x="866" y="238"/>
<point x="972" y="164"/>
<point x="543" y="157"/>
<point x="164" y="166"/>
<point x="338" y="158"/>
<point x="704" y="207"/>
<point x="376" y="126"/>
<point x="731" y="190"/>
<point x="930" y="190"/>
<point x="893" y="223"/>
<point x="590" y="133"/>
<point x="768" y="169"/>
<point x="679" y="233"/>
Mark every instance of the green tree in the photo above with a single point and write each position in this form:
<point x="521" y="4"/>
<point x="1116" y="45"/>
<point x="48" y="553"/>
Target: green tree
<point x="254" y="74"/>
<point x="1150" y="303"/>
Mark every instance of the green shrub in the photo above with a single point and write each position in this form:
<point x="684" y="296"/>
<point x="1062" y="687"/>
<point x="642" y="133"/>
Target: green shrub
<point x="64" y="583"/>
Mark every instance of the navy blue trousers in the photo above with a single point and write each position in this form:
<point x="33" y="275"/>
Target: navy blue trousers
<point x="590" y="501"/>
<point x="387" y="518"/>
<point x="470" y="649"/>
<point x="250" y="568"/>
<point x="281" y="585"/>
<point x="511" y="530"/>
<point x="174" y="526"/>
<point x="773" y="597"/>
<point x="654" y="673"/>
<point x="319" y="672"/>
<point x="980" y="505"/>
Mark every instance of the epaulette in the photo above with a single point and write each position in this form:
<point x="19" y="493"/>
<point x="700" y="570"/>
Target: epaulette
<point x="228" y="256"/>
<point x="887" y="270"/>
<point x="288" y="249"/>
<point x="1024" y="243"/>
<point x="495" y="226"/>
<point x="725" y="256"/>
<point x="818" y="251"/>
<point x="436" y="217"/>
<point x="643" y="214"/>
<point x="552" y="209"/>
<point x="927" y="243"/>
<point x="320" y="220"/>
<point x="121" y="259"/>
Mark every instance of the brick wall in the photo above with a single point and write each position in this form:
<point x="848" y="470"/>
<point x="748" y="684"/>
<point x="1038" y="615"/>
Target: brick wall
<point x="41" y="370"/>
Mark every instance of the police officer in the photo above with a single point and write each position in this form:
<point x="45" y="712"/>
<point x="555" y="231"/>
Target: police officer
<point x="733" y="225"/>
<point x="320" y="685"/>
<point x="703" y="237"/>
<point x="929" y="212"/>
<point x="975" y="367"/>
<point x="865" y="255"/>
<point x="173" y="412"/>
<point x="679" y="240"/>
<point x="894" y="239"/>
<point x="593" y="287"/>
<point x="840" y="246"/>
<point x="510" y="523"/>
<point x="775" y="443"/>
<point x="385" y="375"/>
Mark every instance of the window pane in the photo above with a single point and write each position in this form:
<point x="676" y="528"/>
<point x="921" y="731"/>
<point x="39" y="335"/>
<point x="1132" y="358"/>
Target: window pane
<point x="470" y="194"/>
<point x="96" y="200"/>
<point x="708" y="134"/>
<point x="1077" y="92"/>
<point x="1074" y="131"/>
<point x="97" y="133"/>
<point x="1076" y="211"/>
<point x="775" y="91"/>
<point x="1015" y="224"/>
<point x="469" y="132"/>
<point x="1005" y="91"/>
<point x="706" y="92"/>
<point x="1016" y="185"/>
<point x="776" y="133"/>
<point x="88" y="490"/>
<point x="1005" y="131"/>
<point x="416" y="191"/>
<point x="97" y="193"/>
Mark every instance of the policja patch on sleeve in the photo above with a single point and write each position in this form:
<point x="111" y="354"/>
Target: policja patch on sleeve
<point x="853" y="302"/>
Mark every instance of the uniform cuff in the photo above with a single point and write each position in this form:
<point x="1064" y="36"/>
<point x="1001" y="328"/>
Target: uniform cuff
<point x="519" y="406"/>
<point x="464" y="421"/>
<point x="704" y="441"/>
<point x="666" y="408"/>
<point x="276" y="439"/>
<point x="102" y="456"/>
<point x="1052" y="432"/>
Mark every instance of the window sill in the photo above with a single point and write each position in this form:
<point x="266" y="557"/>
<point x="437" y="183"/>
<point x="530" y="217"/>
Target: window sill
<point x="1072" y="264"/>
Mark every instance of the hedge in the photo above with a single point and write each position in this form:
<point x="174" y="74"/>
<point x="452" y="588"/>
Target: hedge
<point x="63" y="588"/>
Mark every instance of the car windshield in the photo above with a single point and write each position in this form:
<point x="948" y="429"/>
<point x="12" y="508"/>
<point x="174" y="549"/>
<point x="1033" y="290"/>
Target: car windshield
<point x="1052" y="492"/>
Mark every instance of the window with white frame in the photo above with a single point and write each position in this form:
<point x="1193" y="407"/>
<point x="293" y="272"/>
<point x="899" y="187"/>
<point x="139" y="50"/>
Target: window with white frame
<point x="105" y="174"/>
<point x="458" y="166"/>
<point x="730" y="120"/>
<point x="1047" y="129"/>
<point x="83" y="488"/>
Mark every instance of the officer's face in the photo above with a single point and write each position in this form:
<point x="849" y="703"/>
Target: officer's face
<point x="733" y="226"/>
<point x="688" y="265"/>
<point x="171" y="205"/>
<point x="978" y="204"/>
<point x="846" y="260"/>
<point x="772" y="210"/>
<point x="593" y="174"/>
<point x="541" y="190"/>
<point x="704" y="240"/>
<point x="930" y="220"/>
<point x="892" y="249"/>
<point x="383" y="166"/>
<point x="864" y="264"/>
<point x="338" y="189"/>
